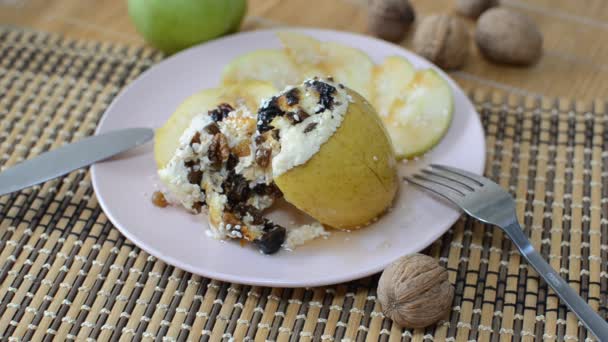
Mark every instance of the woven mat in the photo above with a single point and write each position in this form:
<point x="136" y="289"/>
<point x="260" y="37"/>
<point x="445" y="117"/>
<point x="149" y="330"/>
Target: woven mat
<point x="66" y="272"/>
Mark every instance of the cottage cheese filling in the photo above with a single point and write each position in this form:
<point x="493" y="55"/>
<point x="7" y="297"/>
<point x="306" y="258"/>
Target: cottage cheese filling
<point x="298" y="142"/>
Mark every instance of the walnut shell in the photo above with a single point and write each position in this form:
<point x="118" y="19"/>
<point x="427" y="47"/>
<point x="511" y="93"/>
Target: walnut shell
<point x="390" y="19"/>
<point x="442" y="39"/>
<point x="415" y="292"/>
<point x="473" y="8"/>
<point x="506" y="36"/>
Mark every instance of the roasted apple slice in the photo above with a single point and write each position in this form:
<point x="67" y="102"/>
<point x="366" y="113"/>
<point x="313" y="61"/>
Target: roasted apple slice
<point x="349" y="66"/>
<point x="265" y="65"/>
<point x="345" y="64"/>
<point x="304" y="52"/>
<point x="391" y="79"/>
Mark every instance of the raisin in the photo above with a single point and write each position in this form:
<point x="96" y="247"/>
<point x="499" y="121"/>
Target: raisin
<point x="274" y="191"/>
<point x="259" y="139"/>
<point x="270" y="242"/>
<point x="196" y="139"/>
<point x="159" y="200"/>
<point x="232" y="162"/>
<point x="267" y="113"/>
<point x="292" y="117"/>
<point x="330" y="79"/>
<point x="239" y="208"/>
<point x="276" y="134"/>
<point x="197" y="207"/>
<point x="195" y="177"/>
<point x="257" y="217"/>
<point x="310" y="127"/>
<point x="262" y="157"/>
<point x="326" y="91"/>
<point x="212" y="128"/>
<point x="218" y="150"/>
<point x="243" y="209"/>
<point x="221" y="112"/>
<point x="260" y="189"/>
<point x="236" y="189"/>
<point x="303" y="115"/>
<point x="293" y="96"/>
<point x="297" y="117"/>
<point x="268" y="190"/>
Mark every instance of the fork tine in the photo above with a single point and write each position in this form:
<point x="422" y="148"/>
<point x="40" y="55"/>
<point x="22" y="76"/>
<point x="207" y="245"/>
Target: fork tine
<point x="450" y="178"/>
<point x="456" y="187"/>
<point x="462" y="173"/>
<point x="437" y="189"/>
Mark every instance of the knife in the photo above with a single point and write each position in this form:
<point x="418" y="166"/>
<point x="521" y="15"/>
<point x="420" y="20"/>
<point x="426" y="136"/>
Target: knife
<point x="70" y="157"/>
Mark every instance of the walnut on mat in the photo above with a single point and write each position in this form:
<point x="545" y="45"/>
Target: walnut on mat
<point x="415" y="292"/>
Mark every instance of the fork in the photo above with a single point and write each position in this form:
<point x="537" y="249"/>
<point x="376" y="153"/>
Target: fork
<point x="486" y="201"/>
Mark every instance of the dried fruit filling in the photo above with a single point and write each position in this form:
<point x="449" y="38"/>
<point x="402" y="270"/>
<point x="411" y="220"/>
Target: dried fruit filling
<point x="228" y="157"/>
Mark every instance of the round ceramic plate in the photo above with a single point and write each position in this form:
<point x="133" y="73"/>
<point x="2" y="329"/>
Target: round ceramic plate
<point x="125" y="184"/>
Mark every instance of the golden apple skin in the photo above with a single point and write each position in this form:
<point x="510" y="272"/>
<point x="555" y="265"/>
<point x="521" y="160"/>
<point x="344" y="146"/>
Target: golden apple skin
<point x="353" y="177"/>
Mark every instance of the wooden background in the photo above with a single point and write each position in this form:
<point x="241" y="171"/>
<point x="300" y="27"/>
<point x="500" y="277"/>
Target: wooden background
<point x="574" y="64"/>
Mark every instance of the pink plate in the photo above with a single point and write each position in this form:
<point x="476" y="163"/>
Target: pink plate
<point x="124" y="184"/>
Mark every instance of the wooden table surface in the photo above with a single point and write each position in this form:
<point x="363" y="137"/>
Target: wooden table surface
<point x="574" y="64"/>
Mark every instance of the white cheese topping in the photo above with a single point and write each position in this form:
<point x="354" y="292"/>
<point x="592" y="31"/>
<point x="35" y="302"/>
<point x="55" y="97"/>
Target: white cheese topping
<point x="175" y="174"/>
<point x="298" y="144"/>
<point x="300" y="235"/>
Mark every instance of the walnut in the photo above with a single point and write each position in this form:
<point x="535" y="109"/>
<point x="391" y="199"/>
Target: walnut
<point x="390" y="19"/>
<point x="473" y="8"/>
<point x="218" y="150"/>
<point x="506" y="36"/>
<point x="415" y="292"/>
<point x="242" y="149"/>
<point x="442" y="39"/>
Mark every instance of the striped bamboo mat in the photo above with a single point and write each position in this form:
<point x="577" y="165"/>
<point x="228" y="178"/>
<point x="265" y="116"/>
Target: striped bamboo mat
<point x="66" y="272"/>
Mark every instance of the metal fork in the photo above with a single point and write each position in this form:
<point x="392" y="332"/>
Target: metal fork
<point x="488" y="202"/>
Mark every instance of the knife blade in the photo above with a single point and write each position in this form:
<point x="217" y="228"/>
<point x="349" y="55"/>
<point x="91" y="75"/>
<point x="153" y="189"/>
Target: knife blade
<point x="70" y="157"/>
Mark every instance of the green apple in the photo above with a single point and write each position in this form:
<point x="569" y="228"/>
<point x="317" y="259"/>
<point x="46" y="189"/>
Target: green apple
<point x="177" y="24"/>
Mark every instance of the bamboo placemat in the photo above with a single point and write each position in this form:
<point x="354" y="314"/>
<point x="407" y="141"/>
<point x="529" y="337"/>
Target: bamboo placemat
<point x="67" y="273"/>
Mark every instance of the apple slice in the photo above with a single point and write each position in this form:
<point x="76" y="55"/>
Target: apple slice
<point x="349" y="66"/>
<point x="166" y="140"/>
<point x="266" y="65"/>
<point x="421" y="116"/>
<point x="305" y="52"/>
<point x="390" y="81"/>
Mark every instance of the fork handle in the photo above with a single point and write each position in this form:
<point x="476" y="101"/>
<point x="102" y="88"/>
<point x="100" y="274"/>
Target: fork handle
<point x="596" y="324"/>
